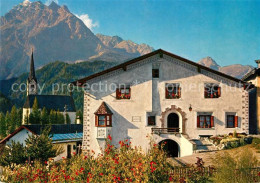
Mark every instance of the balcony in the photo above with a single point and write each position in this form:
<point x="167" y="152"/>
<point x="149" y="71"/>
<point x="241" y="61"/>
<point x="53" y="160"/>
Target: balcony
<point x="165" y="130"/>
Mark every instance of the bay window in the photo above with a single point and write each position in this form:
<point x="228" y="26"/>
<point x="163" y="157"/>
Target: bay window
<point x="104" y="120"/>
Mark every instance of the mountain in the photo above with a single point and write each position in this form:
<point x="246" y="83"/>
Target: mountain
<point x="128" y="46"/>
<point x="55" y="34"/>
<point x="235" y="70"/>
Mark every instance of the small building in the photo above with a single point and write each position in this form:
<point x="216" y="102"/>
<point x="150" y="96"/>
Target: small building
<point x="163" y="97"/>
<point x="62" y="103"/>
<point x="69" y="137"/>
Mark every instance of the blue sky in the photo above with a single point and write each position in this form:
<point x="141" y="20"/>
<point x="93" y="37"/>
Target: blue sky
<point x="228" y="31"/>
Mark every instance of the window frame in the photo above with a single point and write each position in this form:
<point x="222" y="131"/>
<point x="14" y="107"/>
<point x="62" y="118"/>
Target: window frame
<point x="156" y="73"/>
<point x="214" y="92"/>
<point x="126" y="96"/>
<point x="205" y="121"/>
<point x="107" y="120"/>
<point x="235" y="121"/>
<point x="175" y="93"/>
<point x="151" y="116"/>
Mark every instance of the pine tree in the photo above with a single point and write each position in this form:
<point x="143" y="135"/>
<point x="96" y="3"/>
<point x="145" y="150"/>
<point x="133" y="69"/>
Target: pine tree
<point x="20" y="117"/>
<point x="7" y="122"/>
<point x="41" y="147"/>
<point x="35" y="116"/>
<point x="2" y="126"/>
<point x="14" y="119"/>
<point x="67" y="119"/>
<point x="60" y="118"/>
<point x="44" y="116"/>
<point x="52" y="117"/>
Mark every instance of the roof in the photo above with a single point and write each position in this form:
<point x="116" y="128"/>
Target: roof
<point x="67" y="137"/>
<point x="252" y="74"/>
<point x="160" y="52"/>
<point x="58" y="132"/>
<point x="55" y="102"/>
<point x="103" y="109"/>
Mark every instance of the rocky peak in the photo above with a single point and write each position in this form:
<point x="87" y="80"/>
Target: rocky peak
<point x="209" y="62"/>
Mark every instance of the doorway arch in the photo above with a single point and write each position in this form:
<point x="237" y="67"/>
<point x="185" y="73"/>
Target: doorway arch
<point x="173" y="120"/>
<point x="170" y="147"/>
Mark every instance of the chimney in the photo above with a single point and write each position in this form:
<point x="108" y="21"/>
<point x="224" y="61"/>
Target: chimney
<point x="258" y="63"/>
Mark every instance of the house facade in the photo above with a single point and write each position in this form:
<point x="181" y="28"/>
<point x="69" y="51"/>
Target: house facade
<point x="164" y="98"/>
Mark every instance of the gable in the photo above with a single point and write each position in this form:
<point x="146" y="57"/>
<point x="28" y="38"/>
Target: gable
<point x="157" y="54"/>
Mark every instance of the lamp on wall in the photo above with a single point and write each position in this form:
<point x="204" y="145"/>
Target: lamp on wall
<point x="190" y="108"/>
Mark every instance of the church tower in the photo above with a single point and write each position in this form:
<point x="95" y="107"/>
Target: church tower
<point x="32" y="81"/>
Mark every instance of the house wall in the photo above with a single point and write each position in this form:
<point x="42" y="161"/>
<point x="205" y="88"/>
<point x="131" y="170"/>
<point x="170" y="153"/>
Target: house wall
<point x="19" y="137"/>
<point x="64" y="146"/>
<point x="148" y="97"/>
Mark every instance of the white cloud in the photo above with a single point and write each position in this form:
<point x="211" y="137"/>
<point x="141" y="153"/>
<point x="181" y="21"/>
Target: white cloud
<point x="48" y="2"/>
<point x="87" y="21"/>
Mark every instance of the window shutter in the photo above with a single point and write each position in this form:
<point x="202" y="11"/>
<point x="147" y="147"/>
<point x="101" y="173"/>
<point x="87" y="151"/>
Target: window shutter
<point x="219" y="91"/>
<point x="205" y="92"/>
<point x="129" y="93"/>
<point x="236" y="121"/>
<point x="117" y="93"/>
<point x="166" y="92"/>
<point x="96" y="120"/>
<point x="198" y="121"/>
<point x="212" y="121"/>
<point x="179" y="92"/>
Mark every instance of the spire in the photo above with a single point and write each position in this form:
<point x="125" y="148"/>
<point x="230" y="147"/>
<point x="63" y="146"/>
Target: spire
<point x="32" y="71"/>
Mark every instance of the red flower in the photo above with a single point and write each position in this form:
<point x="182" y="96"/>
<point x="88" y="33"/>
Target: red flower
<point x="101" y="174"/>
<point x="45" y="162"/>
<point x="170" y="178"/>
<point x="109" y="137"/>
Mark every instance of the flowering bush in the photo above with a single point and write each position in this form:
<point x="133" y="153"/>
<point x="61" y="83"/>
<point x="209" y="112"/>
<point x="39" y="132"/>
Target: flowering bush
<point x="125" y="164"/>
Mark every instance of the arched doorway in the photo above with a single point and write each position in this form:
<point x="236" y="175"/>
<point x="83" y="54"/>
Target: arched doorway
<point x="171" y="147"/>
<point x="173" y="122"/>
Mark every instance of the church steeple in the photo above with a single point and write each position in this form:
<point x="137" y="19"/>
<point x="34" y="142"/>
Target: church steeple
<point x="32" y="81"/>
<point x="32" y="71"/>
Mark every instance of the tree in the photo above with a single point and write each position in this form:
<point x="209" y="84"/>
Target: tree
<point x="40" y="147"/>
<point x="35" y="116"/>
<point x="67" y="119"/>
<point x="14" y="119"/>
<point x="44" y="116"/>
<point x="7" y="121"/>
<point x="60" y="118"/>
<point x="13" y="154"/>
<point x="52" y="117"/>
<point x="2" y="126"/>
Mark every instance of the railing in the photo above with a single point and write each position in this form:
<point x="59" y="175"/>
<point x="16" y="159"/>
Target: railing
<point x="165" y="130"/>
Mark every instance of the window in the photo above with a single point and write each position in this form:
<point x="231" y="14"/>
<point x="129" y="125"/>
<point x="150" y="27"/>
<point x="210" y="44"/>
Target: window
<point x="232" y="121"/>
<point x="205" y="121"/>
<point x="123" y="93"/>
<point x="104" y="120"/>
<point x="212" y="91"/>
<point x="172" y="91"/>
<point x="151" y="120"/>
<point x="156" y="73"/>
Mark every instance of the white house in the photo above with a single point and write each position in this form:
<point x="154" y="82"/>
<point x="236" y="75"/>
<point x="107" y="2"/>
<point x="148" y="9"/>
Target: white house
<point x="69" y="137"/>
<point x="164" y="97"/>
